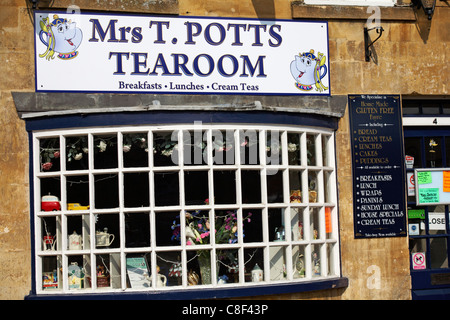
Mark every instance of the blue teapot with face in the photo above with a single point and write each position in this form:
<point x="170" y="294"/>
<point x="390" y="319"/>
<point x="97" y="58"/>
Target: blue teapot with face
<point x="60" y="36"/>
<point x="309" y="70"/>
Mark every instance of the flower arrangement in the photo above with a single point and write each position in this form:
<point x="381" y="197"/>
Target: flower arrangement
<point x="198" y="231"/>
<point x="198" y="228"/>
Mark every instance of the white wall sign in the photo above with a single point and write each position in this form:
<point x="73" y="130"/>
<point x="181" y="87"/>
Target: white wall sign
<point x="91" y="52"/>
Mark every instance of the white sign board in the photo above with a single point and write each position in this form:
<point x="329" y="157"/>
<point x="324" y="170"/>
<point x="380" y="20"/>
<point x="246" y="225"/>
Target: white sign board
<point x="92" y="52"/>
<point x="436" y="220"/>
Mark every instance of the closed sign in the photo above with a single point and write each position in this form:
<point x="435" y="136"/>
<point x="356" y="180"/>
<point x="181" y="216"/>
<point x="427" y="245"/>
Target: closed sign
<point x="436" y="221"/>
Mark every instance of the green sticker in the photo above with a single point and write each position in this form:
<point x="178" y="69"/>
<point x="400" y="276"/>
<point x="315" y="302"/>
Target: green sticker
<point x="424" y="177"/>
<point x="429" y="195"/>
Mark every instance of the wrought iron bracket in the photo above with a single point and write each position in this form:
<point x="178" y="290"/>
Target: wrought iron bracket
<point x="367" y="43"/>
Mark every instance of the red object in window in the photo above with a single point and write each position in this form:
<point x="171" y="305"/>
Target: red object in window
<point x="50" y="203"/>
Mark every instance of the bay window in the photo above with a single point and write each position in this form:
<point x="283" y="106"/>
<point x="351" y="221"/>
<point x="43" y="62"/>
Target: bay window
<point x="183" y="207"/>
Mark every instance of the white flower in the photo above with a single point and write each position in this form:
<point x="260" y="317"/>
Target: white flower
<point x="292" y="147"/>
<point x="85" y="150"/>
<point x="78" y="156"/>
<point x="102" y="146"/>
<point x="126" y="148"/>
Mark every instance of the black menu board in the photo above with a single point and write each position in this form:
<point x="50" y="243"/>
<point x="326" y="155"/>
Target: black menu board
<point x="379" y="208"/>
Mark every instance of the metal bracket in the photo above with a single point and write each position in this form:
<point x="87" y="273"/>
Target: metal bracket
<point x="367" y="45"/>
<point x="34" y="3"/>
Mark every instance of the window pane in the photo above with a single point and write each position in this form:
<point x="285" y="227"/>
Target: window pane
<point x="314" y="223"/>
<point x="137" y="230"/>
<point x="433" y="152"/>
<point x="107" y="231"/>
<point x="313" y="186"/>
<point x="254" y="264"/>
<point x="79" y="267"/>
<point x="198" y="227"/>
<point x="105" y="151"/>
<point x="166" y="188"/>
<point x="196" y="187"/>
<point x="438" y="253"/>
<point x="276" y="225"/>
<point x="51" y="231"/>
<point x="227" y="266"/>
<point x="249" y="146"/>
<point x="294" y="156"/>
<point x="273" y="148"/>
<point x="136" y="189"/>
<point x="77" y="153"/>
<point x="297" y="224"/>
<point x="311" y="150"/>
<point x="316" y="260"/>
<point x="138" y="267"/>
<point x="275" y="187"/>
<point x="298" y="261"/>
<point x="165" y="148"/>
<point x="50" y="194"/>
<point x="413" y="149"/>
<point x="195" y="147"/>
<point x="295" y="186"/>
<point x="106" y="191"/>
<point x="223" y="147"/>
<point x="277" y="263"/>
<point x="49" y="155"/>
<point x="253" y="225"/>
<point x="251" y="186"/>
<point x="77" y="188"/>
<point x="224" y="187"/>
<point x="78" y="228"/>
<point x="226" y="224"/>
<point x="51" y="273"/>
<point x="164" y="231"/>
<point x="325" y="147"/>
<point x="135" y="150"/>
<point x="169" y="269"/>
<point x="108" y="271"/>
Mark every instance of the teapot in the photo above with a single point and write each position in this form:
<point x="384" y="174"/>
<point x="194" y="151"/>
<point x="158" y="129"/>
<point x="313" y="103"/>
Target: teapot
<point x="75" y="241"/>
<point x="161" y="280"/>
<point x="104" y="239"/>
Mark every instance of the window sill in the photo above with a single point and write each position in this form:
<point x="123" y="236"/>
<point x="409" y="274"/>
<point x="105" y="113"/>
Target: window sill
<point x="204" y="293"/>
<point x="300" y="10"/>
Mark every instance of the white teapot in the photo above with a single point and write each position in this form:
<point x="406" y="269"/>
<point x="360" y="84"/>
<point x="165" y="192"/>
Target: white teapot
<point x="75" y="241"/>
<point x="161" y="280"/>
<point x="104" y="239"/>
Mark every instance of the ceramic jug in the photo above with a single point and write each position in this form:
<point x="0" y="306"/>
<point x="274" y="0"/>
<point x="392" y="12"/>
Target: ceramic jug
<point x="161" y="280"/>
<point x="75" y="241"/>
<point x="104" y="239"/>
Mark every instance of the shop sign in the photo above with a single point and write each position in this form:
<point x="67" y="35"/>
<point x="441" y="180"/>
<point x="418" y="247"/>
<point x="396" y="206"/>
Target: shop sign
<point x="92" y="52"/>
<point x="377" y="166"/>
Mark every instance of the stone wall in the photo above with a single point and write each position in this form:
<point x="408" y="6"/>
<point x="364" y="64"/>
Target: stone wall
<point x="412" y="58"/>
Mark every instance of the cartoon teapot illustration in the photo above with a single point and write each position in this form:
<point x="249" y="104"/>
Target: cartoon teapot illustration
<point x="309" y="70"/>
<point x="104" y="239"/>
<point x="60" y="36"/>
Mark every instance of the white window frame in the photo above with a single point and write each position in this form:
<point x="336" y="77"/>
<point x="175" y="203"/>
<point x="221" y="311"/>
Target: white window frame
<point x="328" y="244"/>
